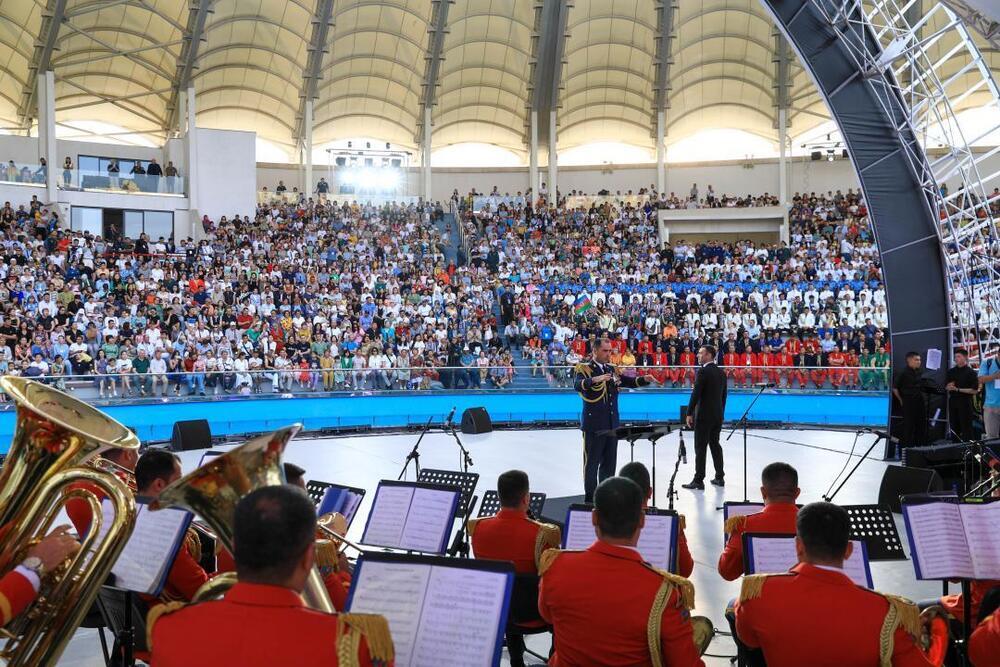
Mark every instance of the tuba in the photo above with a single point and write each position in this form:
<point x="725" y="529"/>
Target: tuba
<point x="213" y="490"/>
<point x="55" y="437"/>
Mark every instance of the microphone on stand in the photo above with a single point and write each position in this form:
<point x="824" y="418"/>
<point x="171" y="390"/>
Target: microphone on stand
<point x="765" y="385"/>
<point x="447" y="421"/>
<point x="683" y="449"/>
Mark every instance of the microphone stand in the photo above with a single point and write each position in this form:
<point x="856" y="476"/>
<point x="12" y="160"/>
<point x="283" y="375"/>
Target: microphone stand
<point x="461" y="543"/>
<point x="743" y="422"/>
<point x="414" y="455"/>
<point x="829" y="498"/>
<point x="659" y="433"/>
<point x="681" y="454"/>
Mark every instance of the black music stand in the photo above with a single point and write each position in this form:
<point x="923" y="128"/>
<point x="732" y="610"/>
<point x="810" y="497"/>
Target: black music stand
<point x="316" y="490"/>
<point x="466" y="481"/>
<point x="875" y="526"/>
<point x="490" y="504"/>
<point x="649" y="432"/>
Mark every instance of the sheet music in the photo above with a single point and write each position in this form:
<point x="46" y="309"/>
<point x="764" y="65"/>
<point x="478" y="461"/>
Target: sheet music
<point x="982" y="530"/>
<point x="777" y="554"/>
<point x="856" y="567"/>
<point x="580" y="531"/>
<point x="149" y="552"/>
<point x="461" y="618"/>
<point x="656" y="540"/>
<point x="939" y="541"/>
<point x="388" y="516"/>
<point x="730" y="510"/>
<point x="340" y="499"/>
<point x="208" y="456"/>
<point x="397" y="591"/>
<point x="431" y="516"/>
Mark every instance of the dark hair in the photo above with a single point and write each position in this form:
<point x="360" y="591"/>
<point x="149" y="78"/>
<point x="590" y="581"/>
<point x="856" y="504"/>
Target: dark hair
<point x="638" y="473"/>
<point x="293" y="473"/>
<point x="274" y="526"/>
<point x="153" y="465"/>
<point x="911" y="354"/>
<point x="511" y="487"/>
<point x="780" y="479"/>
<point x="824" y="529"/>
<point x="962" y="351"/>
<point x="710" y="349"/>
<point x="618" y="503"/>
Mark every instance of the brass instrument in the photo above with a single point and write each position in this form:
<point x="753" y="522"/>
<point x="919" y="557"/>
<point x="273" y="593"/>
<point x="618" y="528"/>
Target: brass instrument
<point x="213" y="490"/>
<point x="119" y="471"/>
<point x="54" y="437"/>
<point x="333" y="526"/>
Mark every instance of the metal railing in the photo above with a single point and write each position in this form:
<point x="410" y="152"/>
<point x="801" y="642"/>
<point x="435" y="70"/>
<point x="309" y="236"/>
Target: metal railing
<point x="535" y="375"/>
<point x="103" y="181"/>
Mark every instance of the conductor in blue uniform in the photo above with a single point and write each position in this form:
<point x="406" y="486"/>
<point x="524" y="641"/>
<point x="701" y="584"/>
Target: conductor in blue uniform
<point x="597" y="382"/>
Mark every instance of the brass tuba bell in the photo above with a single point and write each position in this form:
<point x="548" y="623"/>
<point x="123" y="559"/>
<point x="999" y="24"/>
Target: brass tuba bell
<point x="213" y="490"/>
<point x="54" y="438"/>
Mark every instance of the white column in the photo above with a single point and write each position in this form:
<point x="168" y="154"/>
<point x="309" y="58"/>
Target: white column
<point x="553" y="159"/>
<point x="47" y="147"/>
<point x="426" y="154"/>
<point x="783" y="172"/>
<point x="661" y="153"/>
<point x="533" y="156"/>
<point x="307" y="123"/>
<point x="190" y="174"/>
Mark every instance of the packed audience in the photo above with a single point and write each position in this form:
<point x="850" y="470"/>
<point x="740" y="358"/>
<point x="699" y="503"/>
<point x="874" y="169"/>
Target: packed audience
<point x="338" y="296"/>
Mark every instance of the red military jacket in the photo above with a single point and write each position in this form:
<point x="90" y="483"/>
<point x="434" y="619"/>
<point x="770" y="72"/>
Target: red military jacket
<point x="186" y="574"/>
<point x="750" y="359"/>
<point x="955" y="606"/>
<point x="984" y="646"/>
<point x="793" y="346"/>
<point x="512" y="536"/>
<point x="819" y="617"/>
<point x="16" y="593"/>
<point x="78" y="509"/>
<point x="257" y="625"/>
<point x="337" y="583"/>
<point x="775" y="518"/>
<point x="600" y="603"/>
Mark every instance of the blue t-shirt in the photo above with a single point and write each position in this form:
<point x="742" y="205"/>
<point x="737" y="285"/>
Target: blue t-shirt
<point x="989" y="367"/>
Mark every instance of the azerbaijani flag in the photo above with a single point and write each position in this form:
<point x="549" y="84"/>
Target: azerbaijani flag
<point x="582" y="304"/>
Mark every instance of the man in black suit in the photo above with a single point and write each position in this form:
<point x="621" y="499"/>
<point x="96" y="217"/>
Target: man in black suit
<point x="597" y="382"/>
<point x="705" y="413"/>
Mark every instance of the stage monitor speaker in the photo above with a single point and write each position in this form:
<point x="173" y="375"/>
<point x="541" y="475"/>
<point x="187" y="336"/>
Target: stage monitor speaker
<point x="816" y="155"/>
<point x="476" y="420"/>
<point x="193" y="434"/>
<point x="902" y="480"/>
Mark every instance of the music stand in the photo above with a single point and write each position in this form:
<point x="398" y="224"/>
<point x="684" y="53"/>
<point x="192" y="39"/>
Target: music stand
<point x="649" y="432"/>
<point x="874" y="525"/>
<point x="490" y="504"/>
<point x="466" y="481"/>
<point x="316" y="490"/>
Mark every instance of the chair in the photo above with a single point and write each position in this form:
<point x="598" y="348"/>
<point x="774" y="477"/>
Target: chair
<point x="125" y="615"/>
<point x="524" y="618"/>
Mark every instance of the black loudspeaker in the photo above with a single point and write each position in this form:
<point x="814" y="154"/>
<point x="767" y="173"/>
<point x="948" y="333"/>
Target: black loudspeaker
<point x="476" y="420"/>
<point x="188" y="435"/>
<point x="902" y="480"/>
<point x="816" y="155"/>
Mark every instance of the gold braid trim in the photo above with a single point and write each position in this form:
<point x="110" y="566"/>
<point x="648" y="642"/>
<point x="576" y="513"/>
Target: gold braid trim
<point x="734" y="523"/>
<point x="546" y="559"/>
<point x="886" y="638"/>
<point x="682" y="521"/>
<point x="753" y="586"/>
<point x="154" y="615"/>
<point x="586" y="371"/>
<point x="193" y="544"/>
<point x="655" y="620"/>
<point x="547" y="538"/>
<point x="374" y="628"/>
<point x="470" y="526"/>
<point x="902" y="613"/>
<point x="326" y="554"/>
<point x="583" y="369"/>
<point x="685" y="587"/>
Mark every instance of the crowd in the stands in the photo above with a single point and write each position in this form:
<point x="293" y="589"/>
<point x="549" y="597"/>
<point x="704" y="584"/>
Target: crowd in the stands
<point x="327" y="296"/>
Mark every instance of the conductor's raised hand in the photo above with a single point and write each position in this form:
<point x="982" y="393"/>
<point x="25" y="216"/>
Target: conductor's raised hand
<point x="604" y="377"/>
<point x="690" y="421"/>
<point x="649" y="379"/>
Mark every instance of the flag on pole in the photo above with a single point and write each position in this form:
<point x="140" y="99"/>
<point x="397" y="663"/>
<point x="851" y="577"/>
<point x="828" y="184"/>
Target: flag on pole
<point x="582" y="304"/>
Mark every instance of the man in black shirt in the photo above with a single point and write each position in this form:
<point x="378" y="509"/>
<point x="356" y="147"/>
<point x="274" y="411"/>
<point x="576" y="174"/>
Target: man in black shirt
<point x="907" y="391"/>
<point x="962" y="385"/>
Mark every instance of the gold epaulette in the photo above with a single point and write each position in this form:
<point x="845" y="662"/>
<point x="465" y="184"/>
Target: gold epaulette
<point x="546" y="559"/>
<point x="734" y="523"/>
<point x="753" y="586"/>
<point x="583" y="369"/>
<point x="547" y="538"/>
<point x="375" y="630"/>
<point x="682" y="521"/>
<point x="684" y="586"/>
<point x="470" y="526"/>
<point x="905" y="613"/>
<point x="154" y="615"/>
<point x="326" y="554"/>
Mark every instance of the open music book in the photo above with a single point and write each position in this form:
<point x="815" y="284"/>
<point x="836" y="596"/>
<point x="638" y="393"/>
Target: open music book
<point x="414" y="516"/>
<point x="950" y="539"/>
<point x="657" y="541"/>
<point x="769" y="553"/>
<point x="732" y="508"/>
<point x="342" y="499"/>
<point x="442" y="612"/>
<point x="149" y="554"/>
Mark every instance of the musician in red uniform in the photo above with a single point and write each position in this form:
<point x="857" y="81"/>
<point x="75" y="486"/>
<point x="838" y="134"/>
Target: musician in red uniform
<point x="262" y="621"/>
<point x="513" y="536"/>
<point x="779" y="487"/>
<point x="19" y="587"/>
<point x="638" y="473"/>
<point x="815" y="615"/>
<point x="157" y="469"/>
<point x="78" y="509"/>
<point x="731" y="362"/>
<point x="689" y="361"/>
<point x="984" y="645"/>
<point x="603" y="602"/>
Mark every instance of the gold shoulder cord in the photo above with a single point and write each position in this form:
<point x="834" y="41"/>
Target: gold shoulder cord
<point x="154" y="615"/>
<point x="670" y="582"/>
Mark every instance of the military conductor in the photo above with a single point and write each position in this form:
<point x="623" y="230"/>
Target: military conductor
<point x="597" y="382"/>
<point x="705" y="413"/>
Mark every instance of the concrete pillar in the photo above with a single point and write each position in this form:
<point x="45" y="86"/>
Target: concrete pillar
<point x="783" y="171"/>
<point x="47" y="147"/>
<point x="190" y="175"/>
<point x="661" y="153"/>
<point x="426" y="154"/>
<point x="307" y="123"/>
<point x="553" y="160"/>
<point x="533" y="156"/>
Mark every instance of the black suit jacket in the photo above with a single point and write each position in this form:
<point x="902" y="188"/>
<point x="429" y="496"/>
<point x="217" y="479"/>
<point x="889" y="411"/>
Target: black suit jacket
<point x="708" y="397"/>
<point x="600" y="400"/>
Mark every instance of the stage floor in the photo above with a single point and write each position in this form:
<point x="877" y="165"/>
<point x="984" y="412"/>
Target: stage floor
<point x="553" y="459"/>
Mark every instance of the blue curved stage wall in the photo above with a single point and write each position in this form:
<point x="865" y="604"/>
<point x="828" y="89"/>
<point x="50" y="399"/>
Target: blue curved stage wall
<point x="234" y="416"/>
